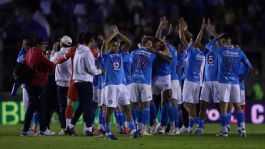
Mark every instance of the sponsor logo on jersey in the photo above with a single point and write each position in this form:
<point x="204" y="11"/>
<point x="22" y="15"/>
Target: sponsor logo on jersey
<point x="199" y="57"/>
<point x="211" y="59"/>
<point x="229" y="53"/>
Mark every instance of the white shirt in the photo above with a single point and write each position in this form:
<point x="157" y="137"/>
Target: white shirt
<point x="84" y="65"/>
<point x="63" y="71"/>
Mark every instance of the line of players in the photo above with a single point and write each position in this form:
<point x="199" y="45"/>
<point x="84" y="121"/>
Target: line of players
<point x="137" y="84"/>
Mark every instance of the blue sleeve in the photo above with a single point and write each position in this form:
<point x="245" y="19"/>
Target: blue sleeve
<point x="190" y="48"/>
<point x="246" y="63"/>
<point x="21" y="55"/>
<point x="104" y="59"/>
<point x="211" y="45"/>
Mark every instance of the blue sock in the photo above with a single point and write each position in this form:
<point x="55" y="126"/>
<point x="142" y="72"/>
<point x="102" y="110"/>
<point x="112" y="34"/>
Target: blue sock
<point x="192" y="121"/>
<point x="35" y="119"/>
<point x="120" y="117"/>
<point x="103" y="120"/>
<point x="200" y="123"/>
<point x="108" y="129"/>
<point x="170" y="111"/>
<point x="176" y="110"/>
<point x="163" y="115"/>
<point x="240" y="119"/>
<point x="153" y="112"/>
<point x="132" y="126"/>
<point x="145" y="116"/>
<point x="228" y="118"/>
<point x="224" y="119"/>
<point x="116" y="114"/>
<point x="135" y="114"/>
<point x="139" y="116"/>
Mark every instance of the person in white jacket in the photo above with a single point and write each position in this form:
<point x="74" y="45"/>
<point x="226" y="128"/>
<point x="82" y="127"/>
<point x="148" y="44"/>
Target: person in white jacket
<point x="84" y="70"/>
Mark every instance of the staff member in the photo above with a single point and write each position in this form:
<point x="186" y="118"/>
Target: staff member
<point x="84" y="70"/>
<point x="41" y="65"/>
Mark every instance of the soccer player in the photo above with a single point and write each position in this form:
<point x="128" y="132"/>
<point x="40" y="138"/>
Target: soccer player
<point x="98" y="91"/>
<point x="142" y="63"/>
<point x="193" y="72"/>
<point x="229" y="59"/>
<point x="175" y="82"/>
<point x="181" y="57"/>
<point x="115" y="90"/>
<point x="162" y="81"/>
<point x="209" y="92"/>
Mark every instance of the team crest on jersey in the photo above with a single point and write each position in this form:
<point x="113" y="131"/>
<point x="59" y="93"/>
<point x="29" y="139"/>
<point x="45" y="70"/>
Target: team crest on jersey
<point x="116" y="65"/>
<point x="211" y="59"/>
<point x="110" y="101"/>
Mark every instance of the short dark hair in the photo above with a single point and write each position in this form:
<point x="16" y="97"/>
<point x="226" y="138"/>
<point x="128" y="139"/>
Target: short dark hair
<point x="145" y="39"/>
<point x="84" y="38"/>
<point x="156" y="40"/>
<point x="226" y="36"/>
<point x="114" y="40"/>
<point x="172" y="39"/>
<point x="39" y="40"/>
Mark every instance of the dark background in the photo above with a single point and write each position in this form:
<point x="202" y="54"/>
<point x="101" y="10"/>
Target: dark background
<point x="51" y="19"/>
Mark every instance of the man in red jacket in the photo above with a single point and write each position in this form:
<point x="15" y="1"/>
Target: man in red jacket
<point x="36" y="60"/>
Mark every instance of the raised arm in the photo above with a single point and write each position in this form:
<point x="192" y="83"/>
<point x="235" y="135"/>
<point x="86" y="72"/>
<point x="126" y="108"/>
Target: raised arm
<point x="114" y="34"/>
<point x="162" y="25"/>
<point x="199" y="36"/>
<point x="182" y="37"/>
<point x="128" y="42"/>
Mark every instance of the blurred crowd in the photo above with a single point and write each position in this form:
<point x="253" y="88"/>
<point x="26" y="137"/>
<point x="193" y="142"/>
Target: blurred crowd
<point x="51" y="19"/>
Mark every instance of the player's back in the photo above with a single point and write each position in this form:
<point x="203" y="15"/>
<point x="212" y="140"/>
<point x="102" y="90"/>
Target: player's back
<point x="229" y="60"/>
<point x="193" y="68"/>
<point x="161" y="67"/>
<point x="211" y="66"/>
<point x="142" y="63"/>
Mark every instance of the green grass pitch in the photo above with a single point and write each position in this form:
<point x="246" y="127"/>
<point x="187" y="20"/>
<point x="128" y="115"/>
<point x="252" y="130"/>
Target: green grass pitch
<point x="10" y="139"/>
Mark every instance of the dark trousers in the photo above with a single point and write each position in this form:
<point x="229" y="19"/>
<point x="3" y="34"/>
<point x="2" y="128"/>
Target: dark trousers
<point x="85" y="94"/>
<point x="49" y="96"/>
<point x="36" y="103"/>
<point x="62" y="101"/>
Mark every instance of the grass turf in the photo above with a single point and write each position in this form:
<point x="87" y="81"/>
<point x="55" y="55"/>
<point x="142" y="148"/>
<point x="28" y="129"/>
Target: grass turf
<point x="10" y="139"/>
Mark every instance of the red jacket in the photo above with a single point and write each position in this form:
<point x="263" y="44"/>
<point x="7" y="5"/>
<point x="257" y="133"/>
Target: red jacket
<point x="37" y="61"/>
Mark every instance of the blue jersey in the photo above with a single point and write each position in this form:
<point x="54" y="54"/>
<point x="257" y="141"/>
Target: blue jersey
<point x="126" y="56"/>
<point x="242" y="72"/>
<point x="142" y="63"/>
<point x="162" y="68"/>
<point x="99" y="80"/>
<point x="194" y="65"/>
<point x="174" y="55"/>
<point x="21" y="55"/>
<point x="211" y="67"/>
<point x="229" y="60"/>
<point x="181" y="63"/>
<point x="113" y="67"/>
